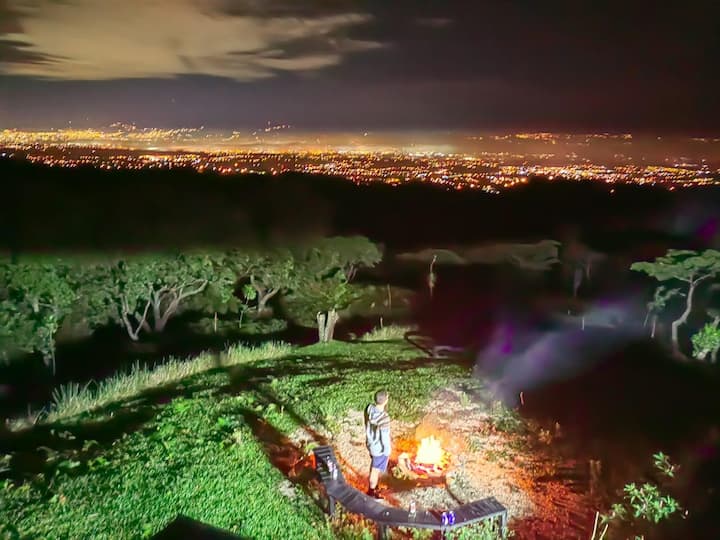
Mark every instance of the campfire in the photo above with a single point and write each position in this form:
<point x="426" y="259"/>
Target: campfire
<point x="430" y="460"/>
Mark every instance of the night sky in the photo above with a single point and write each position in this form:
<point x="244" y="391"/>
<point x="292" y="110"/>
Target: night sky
<point x="355" y="65"/>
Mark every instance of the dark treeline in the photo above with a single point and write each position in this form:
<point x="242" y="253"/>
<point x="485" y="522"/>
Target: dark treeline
<point x="47" y="208"/>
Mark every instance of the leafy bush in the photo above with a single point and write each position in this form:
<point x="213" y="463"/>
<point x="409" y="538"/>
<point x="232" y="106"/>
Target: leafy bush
<point x="264" y="326"/>
<point x="706" y="341"/>
<point x="390" y="332"/>
<point x="642" y="504"/>
<point x="236" y="327"/>
<point x="504" y="419"/>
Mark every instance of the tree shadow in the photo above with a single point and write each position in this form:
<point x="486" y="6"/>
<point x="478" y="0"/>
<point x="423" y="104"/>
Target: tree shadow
<point x="108" y="423"/>
<point x="42" y="450"/>
<point x="286" y="456"/>
<point x="183" y="527"/>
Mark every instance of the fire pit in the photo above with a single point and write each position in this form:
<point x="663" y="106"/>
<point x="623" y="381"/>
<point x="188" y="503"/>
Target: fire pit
<point x="429" y="461"/>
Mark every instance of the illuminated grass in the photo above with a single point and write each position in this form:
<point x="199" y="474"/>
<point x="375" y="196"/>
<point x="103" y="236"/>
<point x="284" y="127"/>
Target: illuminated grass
<point x="197" y="458"/>
<point x="71" y="400"/>
<point x="202" y="456"/>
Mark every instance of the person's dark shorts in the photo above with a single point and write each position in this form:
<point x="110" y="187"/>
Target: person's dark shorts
<point x="380" y="462"/>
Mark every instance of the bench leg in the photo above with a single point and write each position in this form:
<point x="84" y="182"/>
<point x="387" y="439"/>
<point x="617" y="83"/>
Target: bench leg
<point x="331" y="506"/>
<point x="503" y="524"/>
<point x="381" y="531"/>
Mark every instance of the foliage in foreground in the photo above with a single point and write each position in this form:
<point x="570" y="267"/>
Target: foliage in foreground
<point x="197" y="458"/>
<point x="202" y="455"/>
<point x="642" y="506"/>
<point x="707" y="341"/>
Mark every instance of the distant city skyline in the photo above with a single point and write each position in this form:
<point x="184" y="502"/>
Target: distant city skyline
<point x="361" y="65"/>
<point x="486" y="162"/>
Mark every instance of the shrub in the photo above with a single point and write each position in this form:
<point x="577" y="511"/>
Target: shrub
<point x="642" y="505"/>
<point x="390" y="332"/>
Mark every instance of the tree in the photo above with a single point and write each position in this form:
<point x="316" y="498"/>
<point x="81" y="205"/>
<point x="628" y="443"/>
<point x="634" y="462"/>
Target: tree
<point x="687" y="266"/>
<point x="270" y="273"/>
<point x="35" y="297"/>
<point x="658" y="304"/>
<point x="146" y="289"/>
<point x="580" y="259"/>
<point x="320" y="284"/>
<point x="353" y="252"/>
<point x="707" y="340"/>
<point x="329" y="295"/>
<point x="432" y="276"/>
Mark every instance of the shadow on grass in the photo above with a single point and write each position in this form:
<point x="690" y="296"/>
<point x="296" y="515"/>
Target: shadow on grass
<point x="183" y="527"/>
<point x="282" y="453"/>
<point x="31" y="447"/>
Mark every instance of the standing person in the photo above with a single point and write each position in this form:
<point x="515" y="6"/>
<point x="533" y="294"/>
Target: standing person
<point x="377" y="438"/>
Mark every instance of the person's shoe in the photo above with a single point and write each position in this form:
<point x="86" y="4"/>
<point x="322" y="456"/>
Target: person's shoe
<point x="374" y="493"/>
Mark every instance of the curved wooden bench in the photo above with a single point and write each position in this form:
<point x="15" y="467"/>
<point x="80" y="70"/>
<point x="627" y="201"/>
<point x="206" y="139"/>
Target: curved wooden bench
<point x="338" y="490"/>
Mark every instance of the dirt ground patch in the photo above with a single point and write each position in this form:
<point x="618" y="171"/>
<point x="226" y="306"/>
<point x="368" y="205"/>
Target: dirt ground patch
<point x="543" y="499"/>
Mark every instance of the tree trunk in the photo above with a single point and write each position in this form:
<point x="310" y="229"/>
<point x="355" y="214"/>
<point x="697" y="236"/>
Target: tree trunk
<point x="431" y="276"/>
<point x="49" y="360"/>
<point x="683" y="318"/>
<point x="654" y="326"/>
<point x="264" y="298"/>
<point x="134" y="334"/>
<point x="332" y="320"/>
<point x="577" y="280"/>
<point x="172" y="308"/>
<point x="326" y="325"/>
<point x="321" y="318"/>
<point x="160" y="323"/>
<point x="157" y="316"/>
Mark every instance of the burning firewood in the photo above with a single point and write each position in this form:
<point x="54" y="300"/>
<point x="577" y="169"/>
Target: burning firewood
<point x="430" y="460"/>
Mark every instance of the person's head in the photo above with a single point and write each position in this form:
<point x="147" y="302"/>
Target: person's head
<point x="381" y="398"/>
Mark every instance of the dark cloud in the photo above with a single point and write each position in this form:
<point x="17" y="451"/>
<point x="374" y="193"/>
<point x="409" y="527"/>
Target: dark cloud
<point x="12" y="51"/>
<point x="434" y="22"/>
<point x="9" y="22"/>
<point x="398" y="63"/>
<point x="288" y="8"/>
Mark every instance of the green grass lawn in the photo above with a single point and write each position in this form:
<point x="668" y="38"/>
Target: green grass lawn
<point x="200" y="446"/>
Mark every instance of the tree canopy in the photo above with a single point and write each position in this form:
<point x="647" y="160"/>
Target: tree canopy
<point x="690" y="267"/>
<point x="142" y="292"/>
<point x="35" y="296"/>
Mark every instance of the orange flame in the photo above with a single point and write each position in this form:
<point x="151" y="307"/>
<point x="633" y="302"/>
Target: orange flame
<point x="430" y="452"/>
